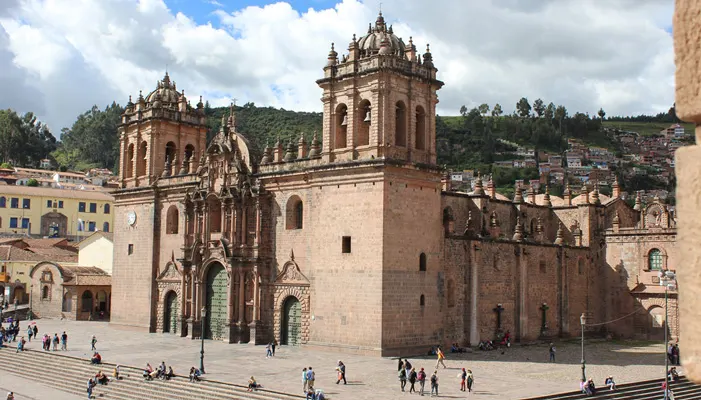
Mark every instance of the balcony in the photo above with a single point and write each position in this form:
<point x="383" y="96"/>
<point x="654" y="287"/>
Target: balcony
<point x="4" y="277"/>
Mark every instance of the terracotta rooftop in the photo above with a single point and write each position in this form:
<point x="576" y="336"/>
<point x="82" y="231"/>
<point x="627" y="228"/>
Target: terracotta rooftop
<point x="84" y="276"/>
<point x="55" y="192"/>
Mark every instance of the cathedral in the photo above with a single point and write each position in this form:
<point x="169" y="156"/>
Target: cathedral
<point x="354" y="241"/>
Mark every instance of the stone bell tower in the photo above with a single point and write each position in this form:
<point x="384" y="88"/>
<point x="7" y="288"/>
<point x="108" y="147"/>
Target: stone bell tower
<point x="160" y="135"/>
<point x="380" y="100"/>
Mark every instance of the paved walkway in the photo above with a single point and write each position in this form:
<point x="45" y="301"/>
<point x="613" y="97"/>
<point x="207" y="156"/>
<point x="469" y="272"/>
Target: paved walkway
<point x="521" y="371"/>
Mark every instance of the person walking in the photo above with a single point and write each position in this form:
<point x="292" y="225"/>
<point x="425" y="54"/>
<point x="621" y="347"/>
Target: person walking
<point x="421" y="377"/>
<point x="64" y="341"/>
<point x="273" y="344"/>
<point x="470" y="380"/>
<point x="268" y="350"/>
<point x="310" y="379"/>
<point x="91" y="385"/>
<point x="463" y="380"/>
<point x="552" y="352"/>
<point x="304" y="380"/>
<point x="402" y="378"/>
<point x="341" y="372"/>
<point x="30" y="332"/>
<point x="412" y="380"/>
<point x="407" y="367"/>
<point x="434" y="383"/>
<point x="93" y="342"/>
<point x="36" y="330"/>
<point x="55" y="341"/>
<point x="441" y="357"/>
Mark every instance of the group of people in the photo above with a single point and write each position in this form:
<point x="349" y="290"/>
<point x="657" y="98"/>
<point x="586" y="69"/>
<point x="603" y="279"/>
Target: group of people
<point x="270" y="349"/>
<point x="407" y="374"/>
<point x="673" y="354"/>
<point x="195" y="375"/>
<point x="10" y="334"/>
<point x="159" y="373"/>
<point x="309" y="377"/>
<point x="588" y="387"/>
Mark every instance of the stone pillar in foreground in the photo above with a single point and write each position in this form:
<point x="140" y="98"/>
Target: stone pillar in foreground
<point x="687" y="50"/>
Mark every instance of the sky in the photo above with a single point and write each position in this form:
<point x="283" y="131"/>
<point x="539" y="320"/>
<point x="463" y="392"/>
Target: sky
<point x="58" y="58"/>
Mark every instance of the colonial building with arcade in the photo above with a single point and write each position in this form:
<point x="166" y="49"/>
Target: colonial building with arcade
<point x="353" y="240"/>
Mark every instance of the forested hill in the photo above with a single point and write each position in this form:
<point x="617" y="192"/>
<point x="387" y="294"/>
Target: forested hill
<point x="473" y="139"/>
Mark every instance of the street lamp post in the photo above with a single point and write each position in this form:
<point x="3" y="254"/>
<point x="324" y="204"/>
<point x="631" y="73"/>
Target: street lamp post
<point x="202" y="318"/>
<point x="668" y="279"/>
<point x="582" y="321"/>
<point x="31" y="290"/>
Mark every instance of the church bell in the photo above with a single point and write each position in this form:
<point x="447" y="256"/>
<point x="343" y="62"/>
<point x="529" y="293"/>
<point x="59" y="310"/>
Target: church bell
<point x="367" y="116"/>
<point x="345" y="120"/>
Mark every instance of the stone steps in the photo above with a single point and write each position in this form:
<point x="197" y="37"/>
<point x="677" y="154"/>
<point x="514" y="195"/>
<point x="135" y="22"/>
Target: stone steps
<point x="71" y="374"/>
<point x="644" y="390"/>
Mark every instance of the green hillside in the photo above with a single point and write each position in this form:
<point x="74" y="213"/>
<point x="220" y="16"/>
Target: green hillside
<point x="645" y="128"/>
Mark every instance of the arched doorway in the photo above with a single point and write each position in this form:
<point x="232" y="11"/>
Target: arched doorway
<point x="102" y="301"/>
<point x="216" y="301"/>
<point x="67" y="302"/>
<point x="18" y="295"/>
<point x="657" y="323"/>
<point x="170" y="313"/>
<point x="291" y="322"/>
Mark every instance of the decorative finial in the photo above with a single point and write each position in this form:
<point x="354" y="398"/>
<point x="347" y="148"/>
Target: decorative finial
<point x="560" y="236"/>
<point x="518" y="231"/>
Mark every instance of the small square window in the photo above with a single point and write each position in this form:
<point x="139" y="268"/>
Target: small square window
<point x="26" y="203"/>
<point x="130" y="249"/>
<point x="13" y="222"/>
<point x="48" y="203"/>
<point x="543" y="268"/>
<point x="81" y="206"/>
<point x="14" y="202"/>
<point x="25" y="223"/>
<point x="93" y="207"/>
<point x="60" y="204"/>
<point x="346" y="244"/>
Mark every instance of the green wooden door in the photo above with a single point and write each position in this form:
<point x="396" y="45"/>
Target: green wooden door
<point x="216" y="302"/>
<point x="171" y="312"/>
<point x="292" y="322"/>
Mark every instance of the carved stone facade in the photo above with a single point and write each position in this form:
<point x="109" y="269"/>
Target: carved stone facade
<point x="354" y="242"/>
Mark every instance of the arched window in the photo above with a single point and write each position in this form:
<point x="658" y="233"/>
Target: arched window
<point x="295" y="213"/>
<point x="45" y="292"/>
<point x="451" y="293"/>
<point x="105" y="226"/>
<point x="654" y="260"/>
<point x="341" y="126"/>
<point x="580" y="267"/>
<point x="141" y="160"/>
<point x="170" y="153"/>
<point x="172" y="220"/>
<point x="364" y="119"/>
<point x="422" y="262"/>
<point x="3" y="202"/>
<point x="400" y="124"/>
<point x="533" y="226"/>
<point x="543" y="268"/>
<point x="130" y="161"/>
<point x="420" y="128"/>
<point x="86" y="301"/>
<point x="107" y="209"/>
<point x="422" y="301"/>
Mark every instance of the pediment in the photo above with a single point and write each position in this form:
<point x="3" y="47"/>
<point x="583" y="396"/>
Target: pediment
<point x="170" y="273"/>
<point x="291" y="274"/>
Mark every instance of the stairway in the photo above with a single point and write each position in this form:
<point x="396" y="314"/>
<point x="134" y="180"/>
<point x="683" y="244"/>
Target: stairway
<point x="644" y="390"/>
<point x="71" y="375"/>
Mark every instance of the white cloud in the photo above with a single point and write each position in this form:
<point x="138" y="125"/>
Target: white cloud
<point x="59" y="57"/>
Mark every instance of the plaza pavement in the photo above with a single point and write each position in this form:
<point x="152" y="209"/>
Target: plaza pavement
<point x="522" y="371"/>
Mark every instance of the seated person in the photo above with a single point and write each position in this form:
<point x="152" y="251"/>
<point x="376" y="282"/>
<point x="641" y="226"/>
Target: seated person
<point x="169" y="374"/>
<point x="101" y="378"/>
<point x="320" y="395"/>
<point x="673" y="374"/>
<point x="194" y="374"/>
<point x="310" y="395"/>
<point x="591" y="388"/>
<point x="610" y="383"/>
<point x="115" y="372"/>
<point x="252" y="384"/>
<point x="96" y="358"/>
<point x="148" y="371"/>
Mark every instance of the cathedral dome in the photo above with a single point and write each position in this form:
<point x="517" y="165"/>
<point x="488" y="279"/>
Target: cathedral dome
<point x="165" y="93"/>
<point x="381" y="39"/>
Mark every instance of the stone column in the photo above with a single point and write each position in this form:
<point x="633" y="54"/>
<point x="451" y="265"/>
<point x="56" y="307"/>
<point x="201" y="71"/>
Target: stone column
<point x="258" y="223"/>
<point x="687" y="49"/>
<point x="235" y="225"/>
<point x="244" y="224"/>
<point x="474" y="294"/>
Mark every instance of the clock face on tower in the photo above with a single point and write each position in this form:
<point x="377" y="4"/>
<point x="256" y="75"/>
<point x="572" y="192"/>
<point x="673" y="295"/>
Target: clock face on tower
<point x="131" y="218"/>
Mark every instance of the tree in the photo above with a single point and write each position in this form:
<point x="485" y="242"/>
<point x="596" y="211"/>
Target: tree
<point x="32" y="182"/>
<point x="523" y="108"/>
<point x="24" y="140"/>
<point x="463" y="110"/>
<point x="497" y="111"/>
<point x="549" y="112"/>
<point x="483" y="109"/>
<point x="6" y="165"/>
<point x="601" y="114"/>
<point x="560" y="115"/>
<point x="539" y="107"/>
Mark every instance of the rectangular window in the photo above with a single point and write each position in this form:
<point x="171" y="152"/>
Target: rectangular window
<point x="91" y="226"/>
<point x="346" y="244"/>
<point x="26" y="203"/>
<point x="48" y="204"/>
<point x="60" y="204"/>
<point x="14" y="202"/>
<point x="81" y="206"/>
<point x="130" y="249"/>
<point x="13" y="222"/>
<point x="25" y="223"/>
<point x="93" y="207"/>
